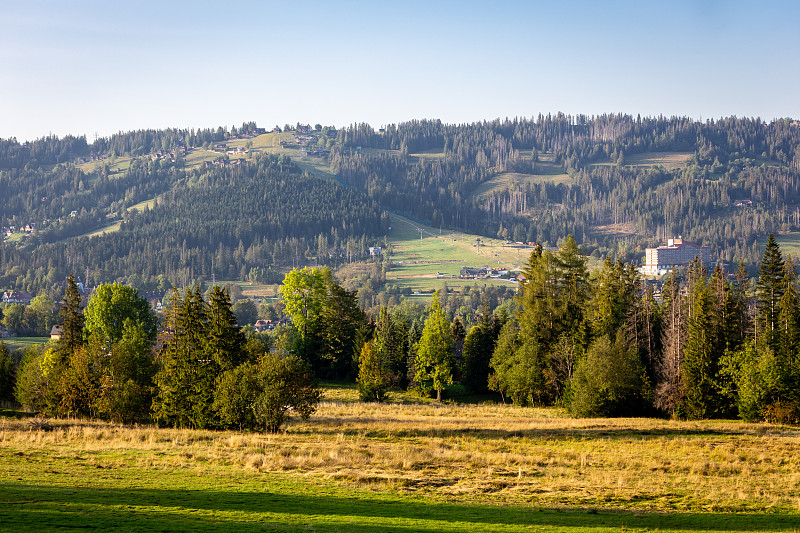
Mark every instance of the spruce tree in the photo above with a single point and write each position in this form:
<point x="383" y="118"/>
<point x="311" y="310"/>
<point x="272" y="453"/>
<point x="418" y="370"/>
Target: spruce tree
<point x="700" y="384"/>
<point x="789" y="340"/>
<point x="187" y="368"/>
<point x="72" y="321"/>
<point x="434" y="361"/>
<point x="770" y="289"/>
<point x="225" y="339"/>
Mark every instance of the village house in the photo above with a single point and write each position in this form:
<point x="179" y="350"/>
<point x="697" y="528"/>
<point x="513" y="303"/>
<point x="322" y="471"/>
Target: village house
<point x="16" y="297"/>
<point x="268" y="325"/>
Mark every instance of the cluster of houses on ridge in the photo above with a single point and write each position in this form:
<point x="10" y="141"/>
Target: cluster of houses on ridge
<point x="8" y="231"/>
<point x="169" y="155"/>
<point x="223" y="162"/>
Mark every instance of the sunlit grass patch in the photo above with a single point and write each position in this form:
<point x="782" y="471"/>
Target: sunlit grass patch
<point x="485" y="467"/>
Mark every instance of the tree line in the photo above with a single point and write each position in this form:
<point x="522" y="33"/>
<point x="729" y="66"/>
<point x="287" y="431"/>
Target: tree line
<point x="195" y="369"/>
<point x="710" y="345"/>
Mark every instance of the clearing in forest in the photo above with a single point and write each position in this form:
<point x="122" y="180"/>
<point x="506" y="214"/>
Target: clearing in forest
<point x="435" y="259"/>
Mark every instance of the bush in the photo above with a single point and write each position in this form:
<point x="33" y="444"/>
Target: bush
<point x="374" y="377"/>
<point x="287" y="384"/>
<point x="237" y="391"/>
<point x="609" y="381"/>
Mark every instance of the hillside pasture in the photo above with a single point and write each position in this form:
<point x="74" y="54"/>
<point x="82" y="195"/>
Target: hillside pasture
<point x="789" y="243"/>
<point x="23" y="342"/>
<point x="409" y="465"/>
<point x="111" y="228"/>
<point x="116" y="165"/>
<point x="546" y="173"/>
<point x="416" y="263"/>
<point x="668" y="160"/>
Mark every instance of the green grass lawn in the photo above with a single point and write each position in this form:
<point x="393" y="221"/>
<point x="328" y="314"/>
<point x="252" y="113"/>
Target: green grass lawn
<point x="23" y="342"/>
<point x="416" y="262"/>
<point x="15" y="237"/>
<point x="111" y="228"/>
<point x="116" y="165"/>
<point x="546" y="173"/>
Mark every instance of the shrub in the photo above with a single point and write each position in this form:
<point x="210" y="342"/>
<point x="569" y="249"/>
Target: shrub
<point x="287" y="384"/>
<point x="609" y="381"/>
<point x="374" y="377"/>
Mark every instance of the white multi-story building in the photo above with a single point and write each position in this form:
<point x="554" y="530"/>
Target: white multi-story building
<point x="677" y="252"/>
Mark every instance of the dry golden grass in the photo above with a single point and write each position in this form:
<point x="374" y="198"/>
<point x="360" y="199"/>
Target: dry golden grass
<point x="469" y="453"/>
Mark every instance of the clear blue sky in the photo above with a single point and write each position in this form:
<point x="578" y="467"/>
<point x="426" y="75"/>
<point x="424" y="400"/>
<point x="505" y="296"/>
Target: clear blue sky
<point x="84" y="67"/>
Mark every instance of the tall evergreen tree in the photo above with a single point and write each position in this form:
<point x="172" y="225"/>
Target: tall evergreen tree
<point x="434" y="361"/>
<point x="770" y="288"/>
<point x="225" y="339"/>
<point x="477" y="353"/>
<point x="668" y="391"/>
<point x="342" y="329"/>
<point x="187" y="369"/>
<point x="71" y="316"/>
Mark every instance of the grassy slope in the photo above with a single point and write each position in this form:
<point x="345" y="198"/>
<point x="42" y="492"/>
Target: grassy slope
<point x="405" y="467"/>
<point x="668" y="160"/>
<point x="416" y="261"/>
<point x="23" y="342"/>
<point x="790" y="244"/>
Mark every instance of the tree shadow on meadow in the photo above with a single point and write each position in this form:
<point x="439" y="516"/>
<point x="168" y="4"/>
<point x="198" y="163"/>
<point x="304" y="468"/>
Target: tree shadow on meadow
<point x="47" y="507"/>
<point x="383" y="427"/>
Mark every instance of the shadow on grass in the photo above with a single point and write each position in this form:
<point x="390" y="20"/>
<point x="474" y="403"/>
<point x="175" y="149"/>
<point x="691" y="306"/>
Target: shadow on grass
<point x="45" y="507"/>
<point x="333" y="426"/>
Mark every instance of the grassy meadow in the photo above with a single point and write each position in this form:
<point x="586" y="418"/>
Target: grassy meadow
<point x="409" y="465"/>
<point x="416" y="262"/>
<point x="23" y="342"/>
<point x="668" y="160"/>
<point x="789" y="243"/>
<point x="517" y="180"/>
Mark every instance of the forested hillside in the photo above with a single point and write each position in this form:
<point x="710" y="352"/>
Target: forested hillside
<point x="155" y="203"/>
<point x="610" y="202"/>
<point x="228" y="222"/>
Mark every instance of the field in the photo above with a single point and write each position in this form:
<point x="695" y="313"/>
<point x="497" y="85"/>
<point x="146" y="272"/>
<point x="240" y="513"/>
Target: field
<point x="410" y="465"/>
<point x="416" y="262"/>
<point x="23" y="342"/>
<point x="546" y="173"/>
<point x="668" y="160"/>
<point x="789" y="243"/>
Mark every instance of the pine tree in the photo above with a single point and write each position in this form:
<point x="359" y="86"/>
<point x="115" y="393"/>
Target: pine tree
<point x="477" y="353"/>
<point x="187" y="370"/>
<point x="701" y="388"/>
<point x="342" y="324"/>
<point x="789" y="339"/>
<point x="668" y="390"/>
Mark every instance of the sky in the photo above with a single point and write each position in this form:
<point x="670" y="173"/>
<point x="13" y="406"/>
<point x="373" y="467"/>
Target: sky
<point x="87" y="68"/>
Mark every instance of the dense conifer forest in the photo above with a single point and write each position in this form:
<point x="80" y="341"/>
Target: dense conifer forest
<point x="728" y="160"/>
<point x="735" y="182"/>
